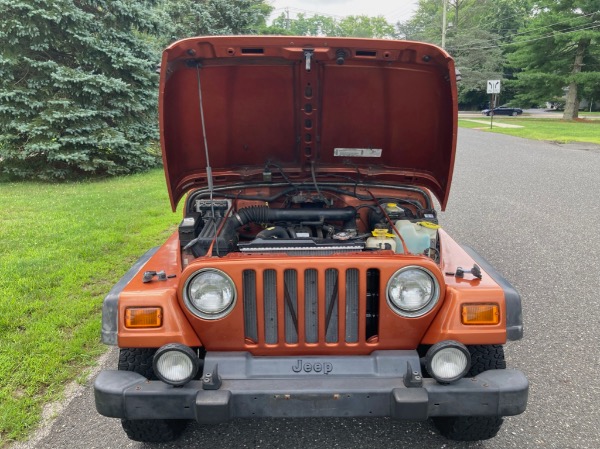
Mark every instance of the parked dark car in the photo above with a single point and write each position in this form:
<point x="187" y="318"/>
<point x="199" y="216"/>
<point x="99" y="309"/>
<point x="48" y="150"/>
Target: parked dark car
<point x="503" y="110"/>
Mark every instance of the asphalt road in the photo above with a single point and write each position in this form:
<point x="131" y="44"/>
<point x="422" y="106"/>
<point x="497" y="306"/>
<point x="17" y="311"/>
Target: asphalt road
<point x="533" y="210"/>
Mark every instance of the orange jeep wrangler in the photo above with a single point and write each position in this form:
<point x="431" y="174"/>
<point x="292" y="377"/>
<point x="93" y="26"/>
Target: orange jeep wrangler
<point x="309" y="275"/>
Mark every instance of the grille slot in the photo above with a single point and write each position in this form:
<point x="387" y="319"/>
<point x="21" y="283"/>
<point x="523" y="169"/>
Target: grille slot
<point x="331" y="296"/>
<point x="270" y="296"/>
<point x="314" y="306"/>
<point x="372" y="299"/>
<point x="311" y="301"/>
<point x="250" y="323"/>
<point x="290" y="285"/>
<point x="351" y="305"/>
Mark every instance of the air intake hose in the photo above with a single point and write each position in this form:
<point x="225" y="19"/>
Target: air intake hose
<point x="263" y="214"/>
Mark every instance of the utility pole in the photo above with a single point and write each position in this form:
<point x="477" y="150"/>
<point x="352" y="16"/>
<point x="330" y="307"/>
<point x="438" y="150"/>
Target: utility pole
<point x="444" y="26"/>
<point x="287" y="18"/>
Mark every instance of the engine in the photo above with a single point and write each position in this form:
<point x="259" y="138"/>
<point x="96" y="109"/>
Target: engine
<point x="308" y="224"/>
<point x="313" y="231"/>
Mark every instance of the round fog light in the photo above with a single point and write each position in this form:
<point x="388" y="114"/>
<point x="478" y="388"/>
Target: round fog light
<point x="447" y="361"/>
<point x="175" y="364"/>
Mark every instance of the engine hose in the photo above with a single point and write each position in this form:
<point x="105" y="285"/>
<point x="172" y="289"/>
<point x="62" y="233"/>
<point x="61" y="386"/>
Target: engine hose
<point x="276" y="232"/>
<point x="263" y="214"/>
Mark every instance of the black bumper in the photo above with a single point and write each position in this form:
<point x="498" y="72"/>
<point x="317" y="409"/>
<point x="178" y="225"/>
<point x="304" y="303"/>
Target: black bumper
<point x="124" y="394"/>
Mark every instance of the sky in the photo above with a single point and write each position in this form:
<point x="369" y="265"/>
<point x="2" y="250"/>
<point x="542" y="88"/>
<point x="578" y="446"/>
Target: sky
<point x="392" y="10"/>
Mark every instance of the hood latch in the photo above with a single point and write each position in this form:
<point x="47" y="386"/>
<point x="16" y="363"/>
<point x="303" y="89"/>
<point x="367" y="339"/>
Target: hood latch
<point x="308" y="54"/>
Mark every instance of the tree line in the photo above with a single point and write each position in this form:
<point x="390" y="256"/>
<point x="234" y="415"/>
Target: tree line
<point x="546" y="51"/>
<point x="78" y="86"/>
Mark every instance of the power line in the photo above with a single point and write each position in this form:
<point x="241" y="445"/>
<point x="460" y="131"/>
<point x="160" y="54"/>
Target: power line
<point x="535" y="29"/>
<point x="531" y="30"/>
<point x="314" y="13"/>
<point x="555" y="23"/>
<point x="306" y="12"/>
<point x="515" y="14"/>
<point x="530" y="40"/>
<point x="396" y="14"/>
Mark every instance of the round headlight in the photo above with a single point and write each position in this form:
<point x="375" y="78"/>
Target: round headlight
<point x="413" y="291"/>
<point x="448" y="361"/>
<point x="175" y="364"/>
<point x="209" y="294"/>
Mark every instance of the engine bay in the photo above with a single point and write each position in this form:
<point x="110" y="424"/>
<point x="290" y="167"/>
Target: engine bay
<point x="306" y="219"/>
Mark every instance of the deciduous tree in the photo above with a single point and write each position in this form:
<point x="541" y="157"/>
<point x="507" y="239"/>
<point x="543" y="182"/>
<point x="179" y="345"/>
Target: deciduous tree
<point x="557" y="54"/>
<point x="186" y="18"/>
<point x="477" y="35"/>
<point x="349" y="26"/>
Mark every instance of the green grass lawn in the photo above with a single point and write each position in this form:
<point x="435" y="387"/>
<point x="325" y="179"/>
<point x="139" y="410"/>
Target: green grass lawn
<point x="555" y="130"/>
<point x="62" y="247"/>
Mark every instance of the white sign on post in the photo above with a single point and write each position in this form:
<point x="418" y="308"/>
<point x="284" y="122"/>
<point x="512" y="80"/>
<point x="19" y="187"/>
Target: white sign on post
<point x="493" y="86"/>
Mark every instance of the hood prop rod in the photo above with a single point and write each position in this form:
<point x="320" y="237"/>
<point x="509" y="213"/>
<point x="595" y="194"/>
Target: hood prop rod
<point x="209" y="178"/>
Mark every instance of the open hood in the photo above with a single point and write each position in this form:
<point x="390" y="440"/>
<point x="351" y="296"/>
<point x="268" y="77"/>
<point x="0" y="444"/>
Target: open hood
<point x="374" y="110"/>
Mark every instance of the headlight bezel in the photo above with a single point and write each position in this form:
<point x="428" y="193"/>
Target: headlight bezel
<point x="428" y="306"/>
<point x="200" y="313"/>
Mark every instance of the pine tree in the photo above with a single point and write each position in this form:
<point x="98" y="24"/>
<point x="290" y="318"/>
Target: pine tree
<point x="77" y="87"/>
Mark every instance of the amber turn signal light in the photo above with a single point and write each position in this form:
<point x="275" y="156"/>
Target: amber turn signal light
<point x="139" y="317"/>
<point x="480" y="314"/>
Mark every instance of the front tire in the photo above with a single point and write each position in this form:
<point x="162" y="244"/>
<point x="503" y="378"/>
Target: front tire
<point x="514" y="114"/>
<point x="485" y="357"/>
<point x="468" y="428"/>
<point x="153" y="430"/>
<point x="139" y="360"/>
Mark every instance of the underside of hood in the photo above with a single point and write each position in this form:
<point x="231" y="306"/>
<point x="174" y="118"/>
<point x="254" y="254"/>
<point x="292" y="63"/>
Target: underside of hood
<point x="374" y="110"/>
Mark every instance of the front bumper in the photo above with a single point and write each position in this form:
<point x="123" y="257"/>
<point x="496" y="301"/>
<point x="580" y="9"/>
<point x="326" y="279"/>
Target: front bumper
<point x="385" y="383"/>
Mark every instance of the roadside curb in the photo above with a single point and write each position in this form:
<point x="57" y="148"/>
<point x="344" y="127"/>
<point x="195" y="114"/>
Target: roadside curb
<point x="499" y="125"/>
<point x="581" y="146"/>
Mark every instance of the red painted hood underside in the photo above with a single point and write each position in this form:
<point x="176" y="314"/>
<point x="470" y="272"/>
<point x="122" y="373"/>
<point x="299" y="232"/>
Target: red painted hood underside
<point x="373" y="110"/>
